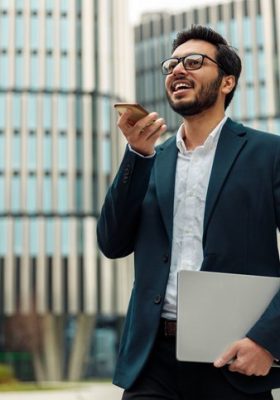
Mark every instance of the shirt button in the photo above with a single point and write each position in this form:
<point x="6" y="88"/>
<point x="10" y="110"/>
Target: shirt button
<point x="157" y="299"/>
<point x="165" y="258"/>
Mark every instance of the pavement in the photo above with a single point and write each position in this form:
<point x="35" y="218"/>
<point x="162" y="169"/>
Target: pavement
<point x="94" y="391"/>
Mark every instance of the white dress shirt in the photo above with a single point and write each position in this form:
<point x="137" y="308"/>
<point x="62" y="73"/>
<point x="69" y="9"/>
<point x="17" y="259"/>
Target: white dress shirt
<point x="191" y="182"/>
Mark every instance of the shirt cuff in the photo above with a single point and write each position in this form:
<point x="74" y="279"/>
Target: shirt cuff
<point x="141" y="155"/>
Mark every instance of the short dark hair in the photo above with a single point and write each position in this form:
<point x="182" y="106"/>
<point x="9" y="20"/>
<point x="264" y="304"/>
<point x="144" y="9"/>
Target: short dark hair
<point x="226" y="55"/>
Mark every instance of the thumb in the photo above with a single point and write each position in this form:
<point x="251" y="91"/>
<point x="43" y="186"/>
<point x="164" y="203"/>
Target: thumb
<point x="226" y="357"/>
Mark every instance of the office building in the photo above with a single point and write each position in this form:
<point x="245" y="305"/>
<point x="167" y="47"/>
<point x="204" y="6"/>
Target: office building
<point x="63" y="63"/>
<point x="251" y="26"/>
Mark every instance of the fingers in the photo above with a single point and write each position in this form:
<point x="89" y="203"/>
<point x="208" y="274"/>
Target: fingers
<point x="226" y="357"/>
<point x="142" y="134"/>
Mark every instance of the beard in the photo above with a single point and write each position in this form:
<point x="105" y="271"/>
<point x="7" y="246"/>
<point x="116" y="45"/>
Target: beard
<point x="205" y="99"/>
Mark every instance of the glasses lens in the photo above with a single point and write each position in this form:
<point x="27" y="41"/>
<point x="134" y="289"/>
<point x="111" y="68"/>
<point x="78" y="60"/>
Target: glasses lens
<point x="193" y="61"/>
<point x="169" y="65"/>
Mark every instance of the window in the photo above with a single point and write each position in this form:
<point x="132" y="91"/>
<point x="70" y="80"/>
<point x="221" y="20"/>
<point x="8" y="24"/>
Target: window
<point x="47" y="193"/>
<point x="47" y="156"/>
<point x="62" y="205"/>
<point x="62" y="152"/>
<point x="4" y="29"/>
<point x="4" y="68"/>
<point x="3" y="110"/>
<point x="16" y="194"/>
<point x="47" y="112"/>
<point x="16" y="151"/>
<point x="32" y="151"/>
<point x="33" y="237"/>
<point x="19" y="37"/>
<point x="31" y="204"/>
<point x="2" y="152"/>
<point x="2" y="193"/>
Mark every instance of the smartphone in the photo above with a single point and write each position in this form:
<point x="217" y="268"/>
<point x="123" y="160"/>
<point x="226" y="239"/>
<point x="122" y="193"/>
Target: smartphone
<point x="138" y="111"/>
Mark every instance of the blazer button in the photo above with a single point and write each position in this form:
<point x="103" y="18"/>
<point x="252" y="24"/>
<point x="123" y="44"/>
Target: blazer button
<point x="157" y="299"/>
<point x="165" y="258"/>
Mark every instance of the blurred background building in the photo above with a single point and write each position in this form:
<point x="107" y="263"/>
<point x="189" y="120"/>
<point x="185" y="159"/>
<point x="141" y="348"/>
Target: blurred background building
<point x="63" y="64"/>
<point x="251" y="26"/>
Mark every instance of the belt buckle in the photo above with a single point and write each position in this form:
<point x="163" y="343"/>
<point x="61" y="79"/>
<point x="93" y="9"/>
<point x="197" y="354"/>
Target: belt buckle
<point x="169" y="328"/>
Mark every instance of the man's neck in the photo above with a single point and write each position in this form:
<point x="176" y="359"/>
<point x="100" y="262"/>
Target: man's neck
<point x="198" y="127"/>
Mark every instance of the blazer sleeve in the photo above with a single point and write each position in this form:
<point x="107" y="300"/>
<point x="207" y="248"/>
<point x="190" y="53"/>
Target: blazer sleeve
<point x="266" y="331"/>
<point x="118" y="223"/>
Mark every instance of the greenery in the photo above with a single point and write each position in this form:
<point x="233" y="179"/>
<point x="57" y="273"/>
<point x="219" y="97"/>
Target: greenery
<point x="7" y="375"/>
<point x="16" y="386"/>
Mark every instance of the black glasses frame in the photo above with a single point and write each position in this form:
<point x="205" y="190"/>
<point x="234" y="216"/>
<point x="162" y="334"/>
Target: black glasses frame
<point x="182" y="60"/>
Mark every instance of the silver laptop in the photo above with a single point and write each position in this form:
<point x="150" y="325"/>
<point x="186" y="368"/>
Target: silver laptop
<point x="215" y="309"/>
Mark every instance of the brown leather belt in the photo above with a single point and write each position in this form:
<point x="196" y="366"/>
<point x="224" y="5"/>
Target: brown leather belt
<point x="167" y="328"/>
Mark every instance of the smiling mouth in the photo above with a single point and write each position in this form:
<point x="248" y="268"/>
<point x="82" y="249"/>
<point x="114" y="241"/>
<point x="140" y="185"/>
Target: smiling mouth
<point x="181" y="86"/>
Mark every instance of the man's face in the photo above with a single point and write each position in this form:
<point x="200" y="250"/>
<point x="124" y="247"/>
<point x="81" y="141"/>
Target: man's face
<point x="202" y="86"/>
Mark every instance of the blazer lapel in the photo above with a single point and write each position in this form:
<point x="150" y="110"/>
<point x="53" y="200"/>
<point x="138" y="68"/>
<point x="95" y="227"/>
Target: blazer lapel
<point x="165" y="168"/>
<point x="231" y="141"/>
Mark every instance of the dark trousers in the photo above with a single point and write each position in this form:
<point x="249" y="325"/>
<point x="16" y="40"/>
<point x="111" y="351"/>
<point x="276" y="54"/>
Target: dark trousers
<point x="165" y="378"/>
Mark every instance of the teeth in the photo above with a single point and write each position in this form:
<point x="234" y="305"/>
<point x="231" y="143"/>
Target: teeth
<point x="179" y="86"/>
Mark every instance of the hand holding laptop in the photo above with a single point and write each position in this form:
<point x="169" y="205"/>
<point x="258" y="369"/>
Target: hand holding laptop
<point x="246" y="357"/>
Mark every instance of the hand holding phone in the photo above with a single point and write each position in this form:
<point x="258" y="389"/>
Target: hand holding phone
<point x="138" y="111"/>
<point x="141" y="128"/>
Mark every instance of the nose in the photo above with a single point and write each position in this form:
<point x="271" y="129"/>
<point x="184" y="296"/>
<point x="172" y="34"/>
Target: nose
<point x="179" y="69"/>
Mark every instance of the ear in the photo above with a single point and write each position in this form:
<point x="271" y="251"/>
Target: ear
<point x="228" y="83"/>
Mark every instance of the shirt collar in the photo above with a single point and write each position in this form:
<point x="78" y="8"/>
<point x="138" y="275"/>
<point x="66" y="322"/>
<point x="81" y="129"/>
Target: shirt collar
<point x="211" y="139"/>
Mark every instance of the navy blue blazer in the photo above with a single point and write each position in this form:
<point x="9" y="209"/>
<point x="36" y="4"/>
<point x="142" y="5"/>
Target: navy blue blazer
<point x="242" y="214"/>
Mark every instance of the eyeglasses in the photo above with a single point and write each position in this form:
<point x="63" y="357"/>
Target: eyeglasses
<point x="190" y="62"/>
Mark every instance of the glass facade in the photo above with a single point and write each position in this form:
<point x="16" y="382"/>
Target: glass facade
<point x="57" y="138"/>
<point x="247" y="28"/>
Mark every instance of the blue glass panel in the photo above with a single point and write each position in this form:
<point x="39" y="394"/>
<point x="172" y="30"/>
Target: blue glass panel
<point x="34" y="71"/>
<point x="3" y="235"/>
<point x="106" y="115"/>
<point x="47" y="156"/>
<point x="79" y="113"/>
<point x="16" y="152"/>
<point x="49" y="71"/>
<point x="79" y="152"/>
<point x="64" y="72"/>
<point x="233" y="33"/>
<point x="79" y="193"/>
<point x="47" y="112"/>
<point x="263" y="100"/>
<point x="34" y="32"/>
<point x="62" y="113"/>
<point x="18" y="236"/>
<point x="5" y="4"/>
<point x="3" y="110"/>
<point x="50" y="236"/>
<point x="16" y="121"/>
<point x="247" y="36"/>
<point x="19" y="4"/>
<point x="33" y="237"/>
<point x="15" y="193"/>
<point x="19" y="37"/>
<point x="237" y="104"/>
<point x="34" y="5"/>
<point x="47" y="194"/>
<point x="32" y="111"/>
<point x="65" y="236"/>
<point x="2" y="151"/>
<point x="249" y="67"/>
<point x="62" y="194"/>
<point x="64" y="34"/>
<point x="251" y="108"/>
<point x="32" y="152"/>
<point x="19" y="70"/>
<point x="2" y="194"/>
<point x="64" y="5"/>
<point x="106" y="148"/>
<point x="62" y="152"/>
<point x="262" y="67"/>
<point x="4" y="31"/>
<point x="49" y="33"/>
<point x="31" y="193"/>
<point x="4" y="68"/>
<point x="260" y="30"/>
<point x="221" y="28"/>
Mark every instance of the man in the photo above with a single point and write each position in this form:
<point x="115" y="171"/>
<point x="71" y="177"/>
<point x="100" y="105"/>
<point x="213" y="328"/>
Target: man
<point x="207" y="199"/>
